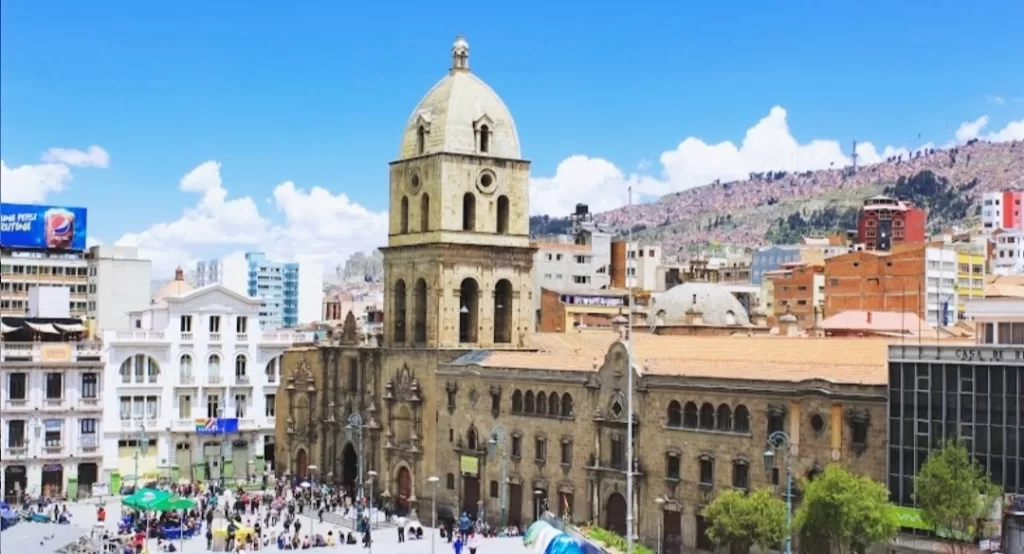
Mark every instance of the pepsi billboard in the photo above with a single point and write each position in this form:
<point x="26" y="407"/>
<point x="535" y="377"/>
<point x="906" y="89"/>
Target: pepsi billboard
<point x="42" y="227"/>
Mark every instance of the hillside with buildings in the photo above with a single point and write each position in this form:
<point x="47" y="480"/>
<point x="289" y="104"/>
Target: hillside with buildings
<point x="775" y="207"/>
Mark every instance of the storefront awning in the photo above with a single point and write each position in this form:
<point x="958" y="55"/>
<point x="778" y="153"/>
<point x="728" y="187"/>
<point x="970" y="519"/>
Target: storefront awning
<point x="4" y="328"/>
<point x="71" y="328"/>
<point x="45" y="328"/>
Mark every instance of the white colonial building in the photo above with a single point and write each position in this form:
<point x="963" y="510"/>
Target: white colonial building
<point x="51" y="405"/>
<point x="195" y="360"/>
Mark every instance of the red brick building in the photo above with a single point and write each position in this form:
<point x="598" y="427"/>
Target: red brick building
<point x="885" y="221"/>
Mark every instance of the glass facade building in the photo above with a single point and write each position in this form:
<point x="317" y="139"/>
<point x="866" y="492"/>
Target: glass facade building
<point x="975" y="392"/>
<point x="277" y="285"/>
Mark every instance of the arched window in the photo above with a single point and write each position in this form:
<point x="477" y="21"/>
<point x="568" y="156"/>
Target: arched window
<point x="139" y="368"/>
<point x="553" y="408"/>
<point x="690" y="415"/>
<point x="723" y="419"/>
<point x="471" y="438"/>
<point x="502" y="226"/>
<point x="421" y="140"/>
<point x="517" y="402"/>
<point x="528" y="406"/>
<point x="399" y="311"/>
<point x="485" y="138"/>
<point x="213" y="365"/>
<point x="469" y="212"/>
<point x="469" y="310"/>
<point x="185" y="366"/>
<point x="707" y="416"/>
<point x="566" y="405"/>
<point x="404" y="217"/>
<point x="730" y="318"/>
<point x="503" y="312"/>
<point x="675" y="414"/>
<point x="241" y="364"/>
<point x="741" y="419"/>
<point x="419" y="318"/>
<point x="424" y="213"/>
<point x="542" y="403"/>
<point x="273" y="369"/>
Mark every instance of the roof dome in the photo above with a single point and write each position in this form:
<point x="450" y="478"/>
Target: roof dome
<point x="176" y="287"/>
<point x="454" y="113"/>
<point x="717" y="305"/>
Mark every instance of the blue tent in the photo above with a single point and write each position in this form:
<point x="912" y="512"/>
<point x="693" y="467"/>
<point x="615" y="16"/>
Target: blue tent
<point x="543" y="538"/>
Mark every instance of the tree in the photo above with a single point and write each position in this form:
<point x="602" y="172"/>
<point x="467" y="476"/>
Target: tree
<point x="955" y="495"/>
<point x="740" y="521"/>
<point x="846" y="512"/>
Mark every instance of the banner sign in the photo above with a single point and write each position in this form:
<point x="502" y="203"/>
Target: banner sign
<point x="216" y="425"/>
<point x="42" y="227"/>
<point x="470" y="465"/>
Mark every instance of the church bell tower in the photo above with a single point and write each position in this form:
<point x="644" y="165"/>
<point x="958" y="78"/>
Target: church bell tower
<point x="458" y="264"/>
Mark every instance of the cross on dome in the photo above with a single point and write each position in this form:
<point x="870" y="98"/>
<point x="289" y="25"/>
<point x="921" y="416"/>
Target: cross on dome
<point x="460" y="55"/>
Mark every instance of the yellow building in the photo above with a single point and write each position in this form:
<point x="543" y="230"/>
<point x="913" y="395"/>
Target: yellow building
<point x="970" y="278"/>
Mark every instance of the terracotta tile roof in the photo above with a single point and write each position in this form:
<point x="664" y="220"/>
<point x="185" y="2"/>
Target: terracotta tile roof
<point x="841" y="360"/>
<point x="876" y="322"/>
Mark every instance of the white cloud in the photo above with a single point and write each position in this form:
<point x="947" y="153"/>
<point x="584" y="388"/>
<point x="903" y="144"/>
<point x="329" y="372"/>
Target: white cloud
<point x="94" y="156"/>
<point x="33" y="183"/>
<point x="767" y="146"/>
<point x="318" y="226"/>
<point x="970" y="130"/>
<point x="994" y="99"/>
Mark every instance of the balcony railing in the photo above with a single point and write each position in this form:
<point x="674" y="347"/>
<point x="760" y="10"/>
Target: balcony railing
<point x="183" y="424"/>
<point x="89" y="349"/>
<point x="140" y="336"/>
<point x="246" y="422"/>
<point x="214" y="380"/>
<point x="187" y="337"/>
<point x="90" y="403"/>
<point x="242" y="337"/>
<point x="241" y="379"/>
<point x="16" y="403"/>
<point x="215" y="337"/>
<point x="186" y="379"/>
<point x="89" y="441"/>
<point x="15" y="450"/>
<point x="53" y="403"/>
<point x="53" y="448"/>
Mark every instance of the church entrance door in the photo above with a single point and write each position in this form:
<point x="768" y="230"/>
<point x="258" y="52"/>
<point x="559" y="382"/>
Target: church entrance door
<point x="471" y="495"/>
<point x="672" y="532"/>
<point x="615" y="514"/>
<point x="404" y="490"/>
<point x="515" y="504"/>
<point x="301" y="464"/>
<point x="349" y="467"/>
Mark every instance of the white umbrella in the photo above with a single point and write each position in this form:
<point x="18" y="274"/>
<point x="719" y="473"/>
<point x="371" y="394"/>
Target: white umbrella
<point x="305" y="484"/>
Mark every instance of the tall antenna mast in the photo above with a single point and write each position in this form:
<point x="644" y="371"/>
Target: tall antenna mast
<point x="854" y="156"/>
<point x="630" y="260"/>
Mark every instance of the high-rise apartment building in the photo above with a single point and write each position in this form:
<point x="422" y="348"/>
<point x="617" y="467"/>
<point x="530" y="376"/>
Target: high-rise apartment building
<point x="1002" y="210"/>
<point x="104" y="282"/>
<point x="291" y="293"/>
<point x="885" y="221"/>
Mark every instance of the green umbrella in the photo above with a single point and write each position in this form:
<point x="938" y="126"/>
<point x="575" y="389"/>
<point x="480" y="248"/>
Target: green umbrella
<point x="146" y="499"/>
<point x="174" y="504"/>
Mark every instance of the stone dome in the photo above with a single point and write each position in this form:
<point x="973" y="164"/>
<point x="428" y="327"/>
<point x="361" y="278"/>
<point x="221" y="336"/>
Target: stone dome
<point x="456" y="112"/>
<point x="717" y="305"/>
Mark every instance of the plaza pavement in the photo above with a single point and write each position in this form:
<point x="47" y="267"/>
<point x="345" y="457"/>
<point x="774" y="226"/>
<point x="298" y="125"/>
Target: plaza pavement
<point x="385" y="538"/>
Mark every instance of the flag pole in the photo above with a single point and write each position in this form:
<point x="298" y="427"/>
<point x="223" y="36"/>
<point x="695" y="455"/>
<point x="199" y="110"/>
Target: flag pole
<point x="630" y="524"/>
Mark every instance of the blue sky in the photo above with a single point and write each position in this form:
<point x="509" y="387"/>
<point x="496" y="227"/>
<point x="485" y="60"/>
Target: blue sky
<point x="317" y="93"/>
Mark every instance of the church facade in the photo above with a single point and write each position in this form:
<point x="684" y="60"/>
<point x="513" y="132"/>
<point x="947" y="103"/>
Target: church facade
<point x="512" y="422"/>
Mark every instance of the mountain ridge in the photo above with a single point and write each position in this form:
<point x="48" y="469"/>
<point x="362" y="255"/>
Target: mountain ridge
<point x="760" y="210"/>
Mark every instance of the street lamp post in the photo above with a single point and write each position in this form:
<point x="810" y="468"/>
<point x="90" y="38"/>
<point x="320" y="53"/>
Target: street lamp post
<point x="778" y="442"/>
<point x="369" y="510"/>
<point x="225" y="447"/>
<point x="660" y="501"/>
<point x="497" y="446"/>
<point x="355" y="426"/>
<point x="433" y="479"/>
<point x="141" y="447"/>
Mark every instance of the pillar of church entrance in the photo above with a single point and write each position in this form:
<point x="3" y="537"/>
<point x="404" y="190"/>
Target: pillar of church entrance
<point x="595" y="503"/>
<point x="636" y="509"/>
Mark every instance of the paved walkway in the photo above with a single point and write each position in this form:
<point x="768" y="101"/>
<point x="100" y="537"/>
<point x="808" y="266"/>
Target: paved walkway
<point x="385" y="537"/>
